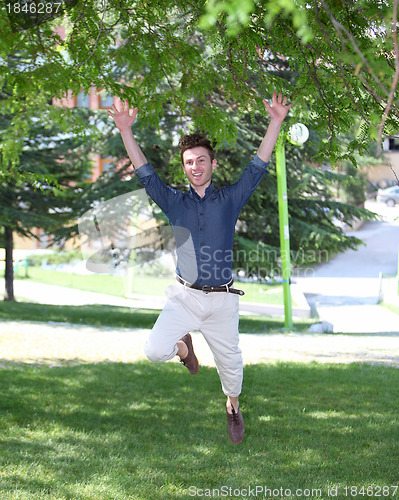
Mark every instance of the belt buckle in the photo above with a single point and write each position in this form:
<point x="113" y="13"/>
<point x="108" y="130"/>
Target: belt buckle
<point x="206" y="291"/>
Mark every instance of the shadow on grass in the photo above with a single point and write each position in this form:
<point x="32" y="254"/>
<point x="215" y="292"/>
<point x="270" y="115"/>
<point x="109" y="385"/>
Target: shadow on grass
<point x="144" y="431"/>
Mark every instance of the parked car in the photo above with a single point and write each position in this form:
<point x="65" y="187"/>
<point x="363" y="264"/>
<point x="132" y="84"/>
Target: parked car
<point x="390" y="196"/>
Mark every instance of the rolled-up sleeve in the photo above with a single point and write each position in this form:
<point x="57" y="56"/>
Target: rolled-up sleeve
<point x="144" y="171"/>
<point x="157" y="190"/>
<point x="242" y="190"/>
<point x="258" y="162"/>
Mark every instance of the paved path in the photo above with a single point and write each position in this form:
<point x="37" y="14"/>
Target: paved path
<point x="55" y="295"/>
<point x="345" y="291"/>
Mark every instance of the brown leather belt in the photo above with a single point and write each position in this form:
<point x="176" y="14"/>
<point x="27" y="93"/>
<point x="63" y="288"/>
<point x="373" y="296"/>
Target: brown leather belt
<point x="207" y="289"/>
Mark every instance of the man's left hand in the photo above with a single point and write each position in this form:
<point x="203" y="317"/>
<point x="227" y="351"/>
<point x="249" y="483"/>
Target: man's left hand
<point x="279" y="108"/>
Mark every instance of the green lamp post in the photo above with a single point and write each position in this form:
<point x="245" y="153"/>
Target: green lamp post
<point x="297" y="134"/>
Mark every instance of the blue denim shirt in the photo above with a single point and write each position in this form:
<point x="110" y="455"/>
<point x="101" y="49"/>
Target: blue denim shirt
<point x="210" y="220"/>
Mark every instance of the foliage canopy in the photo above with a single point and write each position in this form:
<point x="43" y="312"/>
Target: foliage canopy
<point x="340" y="64"/>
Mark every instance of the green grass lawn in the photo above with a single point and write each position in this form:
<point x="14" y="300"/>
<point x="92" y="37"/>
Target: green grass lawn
<point x="151" y="431"/>
<point x="144" y="285"/>
<point x="124" y="317"/>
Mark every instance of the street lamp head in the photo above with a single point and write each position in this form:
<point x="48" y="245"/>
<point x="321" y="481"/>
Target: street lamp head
<point x="298" y="134"/>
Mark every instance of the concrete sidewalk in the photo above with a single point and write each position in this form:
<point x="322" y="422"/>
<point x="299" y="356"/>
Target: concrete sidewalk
<point x="346" y="290"/>
<point x="351" y="305"/>
<point x="57" y="295"/>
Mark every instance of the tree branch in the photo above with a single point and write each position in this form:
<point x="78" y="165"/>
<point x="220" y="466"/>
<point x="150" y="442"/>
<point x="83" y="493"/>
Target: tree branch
<point x="341" y="28"/>
<point x="396" y="75"/>
<point x="98" y="36"/>
<point x="341" y="69"/>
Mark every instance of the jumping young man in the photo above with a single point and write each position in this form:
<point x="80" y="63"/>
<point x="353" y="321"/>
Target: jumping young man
<point x="209" y="303"/>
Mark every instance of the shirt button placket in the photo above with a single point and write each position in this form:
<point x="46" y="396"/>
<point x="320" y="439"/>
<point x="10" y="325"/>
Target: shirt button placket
<point x="201" y="224"/>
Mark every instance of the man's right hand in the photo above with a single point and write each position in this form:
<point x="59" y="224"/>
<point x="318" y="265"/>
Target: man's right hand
<point x="120" y="113"/>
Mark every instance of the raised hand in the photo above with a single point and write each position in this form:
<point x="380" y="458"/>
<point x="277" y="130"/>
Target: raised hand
<point x="279" y="109"/>
<point x="123" y="116"/>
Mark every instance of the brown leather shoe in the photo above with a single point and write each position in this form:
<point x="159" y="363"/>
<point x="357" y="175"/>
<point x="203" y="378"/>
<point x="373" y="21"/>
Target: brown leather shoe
<point x="235" y="425"/>
<point x="190" y="361"/>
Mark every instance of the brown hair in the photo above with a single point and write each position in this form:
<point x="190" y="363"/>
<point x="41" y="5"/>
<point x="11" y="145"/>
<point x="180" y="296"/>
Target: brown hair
<point x="194" y="140"/>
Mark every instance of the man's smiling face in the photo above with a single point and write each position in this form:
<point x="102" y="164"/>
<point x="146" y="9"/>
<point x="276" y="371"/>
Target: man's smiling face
<point x="198" y="167"/>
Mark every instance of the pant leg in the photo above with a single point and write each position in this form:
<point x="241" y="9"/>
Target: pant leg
<point x="175" y="320"/>
<point x="220" y="330"/>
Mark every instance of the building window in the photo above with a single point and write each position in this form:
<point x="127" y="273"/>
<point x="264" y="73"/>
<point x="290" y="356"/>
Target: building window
<point x="105" y="100"/>
<point x="83" y="100"/>
<point x="106" y="165"/>
<point x="87" y="176"/>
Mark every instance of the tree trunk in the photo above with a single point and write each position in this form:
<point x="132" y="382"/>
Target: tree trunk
<point x="9" y="275"/>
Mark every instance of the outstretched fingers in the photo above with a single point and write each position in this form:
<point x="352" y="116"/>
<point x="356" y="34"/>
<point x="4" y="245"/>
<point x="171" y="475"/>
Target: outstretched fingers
<point x="276" y="101"/>
<point x="278" y="108"/>
<point x="279" y="99"/>
<point x="120" y="107"/>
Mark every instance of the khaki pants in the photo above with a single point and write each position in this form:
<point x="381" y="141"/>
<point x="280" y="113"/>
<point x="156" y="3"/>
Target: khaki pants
<point x="215" y="315"/>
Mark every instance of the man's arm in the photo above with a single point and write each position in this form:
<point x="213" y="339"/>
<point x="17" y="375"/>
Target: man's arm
<point x="278" y="111"/>
<point x="124" y="118"/>
<point x="124" y="121"/>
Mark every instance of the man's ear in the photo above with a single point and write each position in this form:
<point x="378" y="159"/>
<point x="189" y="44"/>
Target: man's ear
<point x="214" y="164"/>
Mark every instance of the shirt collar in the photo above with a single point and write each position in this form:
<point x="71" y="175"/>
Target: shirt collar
<point x="209" y="190"/>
